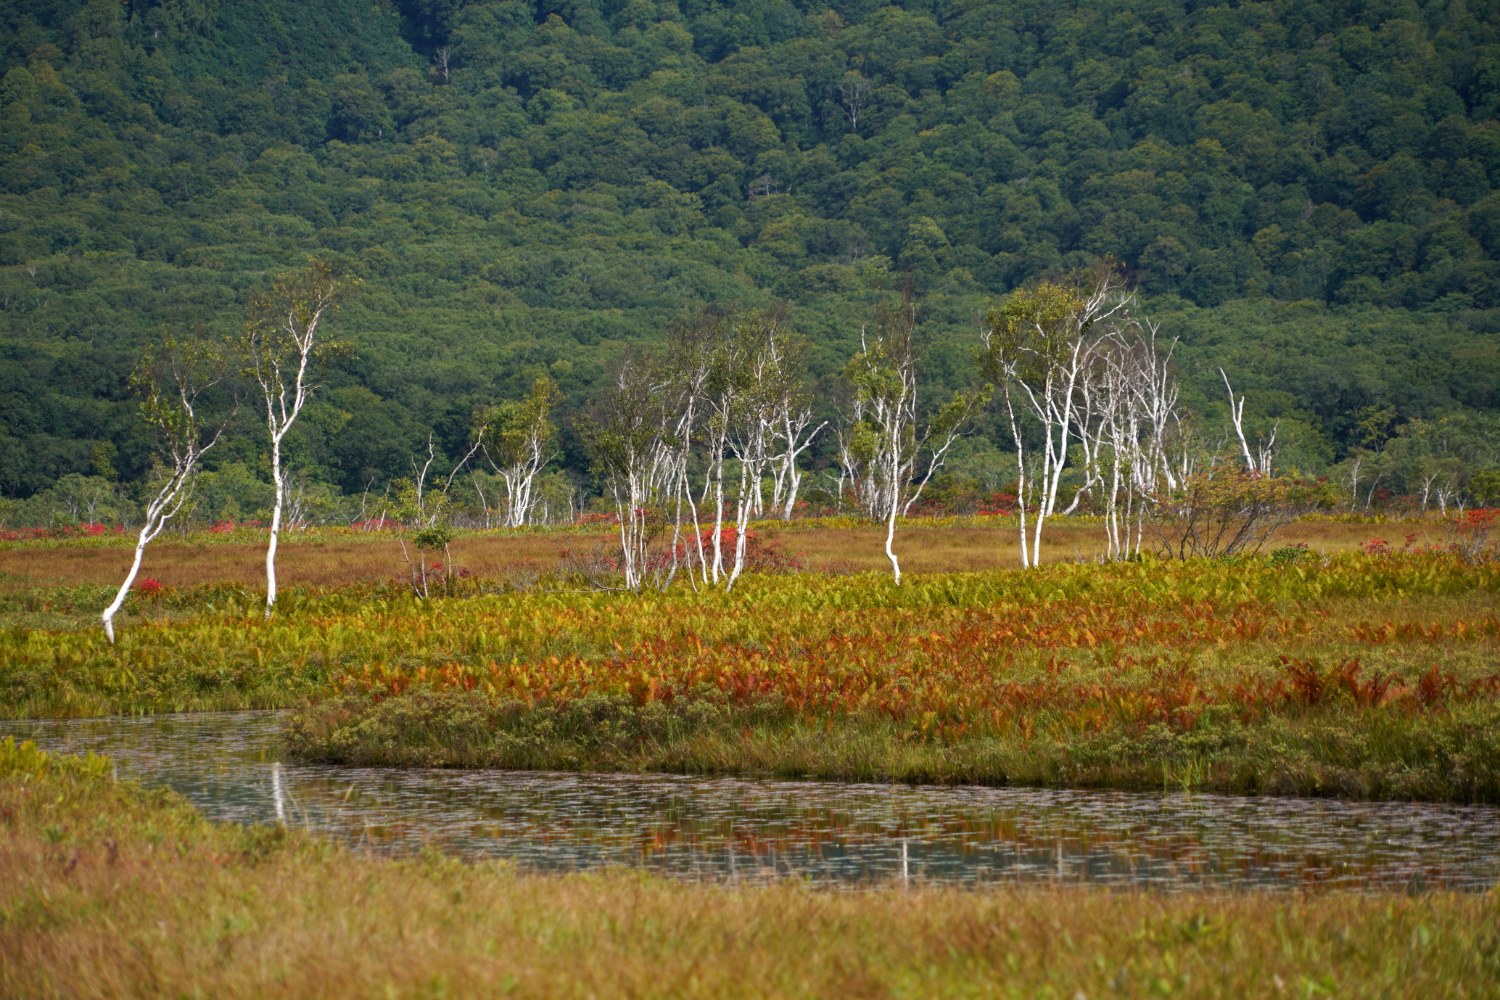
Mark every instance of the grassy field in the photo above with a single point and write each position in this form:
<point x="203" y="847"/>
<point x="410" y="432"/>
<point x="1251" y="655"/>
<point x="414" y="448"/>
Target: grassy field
<point x="107" y="890"/>
<point x="335" y="557"/>
<point x="1327" y="670"/>
<point x="1361" y="676"/>
<point x="1344" y="667"/>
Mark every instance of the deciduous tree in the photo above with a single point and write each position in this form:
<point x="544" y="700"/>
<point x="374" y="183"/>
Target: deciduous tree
<point x="283" y="350"/>
<point x="629" y="437"/>
<point x="174" y="382"/>
<point x="518" y="439"/>
<point x="1038" y="347"/>
<point x="888" y="448"/>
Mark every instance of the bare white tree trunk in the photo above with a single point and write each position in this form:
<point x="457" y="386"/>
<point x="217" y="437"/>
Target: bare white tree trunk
<point x="158" y="512"/>
<point x="894" y="501"/>
<point x="279" y="485"/>
<point x="281" y="343"/>
<point x="517" y="440"/>
<point x="795" y="439"/>
<point x="173" y="389"/>
<point x="1039" y="346"/>
<point x="1023" y="483"/>
<point x="630" y="441"/>
<point x="885" y="440"/>
<point x="1258" y="464"/>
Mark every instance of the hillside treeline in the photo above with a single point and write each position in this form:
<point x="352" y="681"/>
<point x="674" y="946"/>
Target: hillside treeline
<point x="1306" y="193"/>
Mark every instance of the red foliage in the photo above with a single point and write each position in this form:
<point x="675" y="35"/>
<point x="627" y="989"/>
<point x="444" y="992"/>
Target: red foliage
<point x="1000" y="504"/>
<point x="91" y="530"/>
<point x="1434" y="686"/>
<point x="759" y="555"/>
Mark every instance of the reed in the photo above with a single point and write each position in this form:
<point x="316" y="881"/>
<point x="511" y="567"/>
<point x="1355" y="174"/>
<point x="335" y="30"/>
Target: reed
<point x="110" y="890"/>
<point x="1371" y="674"/>
<point x="329" y="557"/>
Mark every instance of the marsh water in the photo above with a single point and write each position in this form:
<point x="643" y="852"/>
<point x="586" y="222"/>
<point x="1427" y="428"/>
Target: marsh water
<point x="230" y="765"/>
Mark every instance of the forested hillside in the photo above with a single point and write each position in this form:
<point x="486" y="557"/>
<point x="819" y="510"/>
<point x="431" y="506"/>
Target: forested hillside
<point x="1306" y="192"/>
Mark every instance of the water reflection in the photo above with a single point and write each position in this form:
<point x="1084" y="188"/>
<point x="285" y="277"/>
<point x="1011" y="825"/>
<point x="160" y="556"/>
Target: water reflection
<point x="730" y="829"/>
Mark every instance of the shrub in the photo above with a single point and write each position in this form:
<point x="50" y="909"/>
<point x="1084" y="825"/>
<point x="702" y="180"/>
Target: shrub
<point x="1226" y="512"/>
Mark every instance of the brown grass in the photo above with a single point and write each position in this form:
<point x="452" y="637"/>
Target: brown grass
<point x="106" y="891"/>
<point x="330" y="560"/>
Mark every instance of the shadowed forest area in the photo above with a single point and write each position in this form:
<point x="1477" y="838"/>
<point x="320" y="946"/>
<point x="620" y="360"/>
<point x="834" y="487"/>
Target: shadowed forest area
<point x="1304" y="194"/>
<point x="595" y="350"/>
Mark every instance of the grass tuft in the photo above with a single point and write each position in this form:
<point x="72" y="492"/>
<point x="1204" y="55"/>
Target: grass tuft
<point x="110" y="890"/>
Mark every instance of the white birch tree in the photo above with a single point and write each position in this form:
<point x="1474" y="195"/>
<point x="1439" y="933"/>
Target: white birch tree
<point x="887" y="448"/>
<point x="690" y="364"/>
<point x="426" y="512"/>
<point x="1257" y="463"/>
<point x="630" y="440"/>
<point x="174" y="383"/>
<point x="518" y="439"/>
<point x="1038" y="348"/>
<point x="1130" y="425"/>
<point x="767" y="382"/>
<point x="792" y="426"/>
<point x="723" y="393"/>
<point x="740" y="417"/>
<point x="282" y="348"/>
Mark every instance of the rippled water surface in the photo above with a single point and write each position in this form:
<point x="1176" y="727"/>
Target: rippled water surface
<point x="754" y="830"/>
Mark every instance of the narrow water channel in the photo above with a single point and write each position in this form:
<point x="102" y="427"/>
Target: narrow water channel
<point x="732" y="829"/>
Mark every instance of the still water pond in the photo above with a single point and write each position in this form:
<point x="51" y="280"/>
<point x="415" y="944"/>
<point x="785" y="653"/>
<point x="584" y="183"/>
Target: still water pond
<point x="733" y="829"/>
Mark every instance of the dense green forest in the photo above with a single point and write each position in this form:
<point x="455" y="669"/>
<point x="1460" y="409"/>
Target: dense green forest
<point x="1306" y="192"/>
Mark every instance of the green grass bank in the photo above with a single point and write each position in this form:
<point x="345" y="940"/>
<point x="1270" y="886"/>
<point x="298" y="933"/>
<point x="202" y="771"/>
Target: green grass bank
<point x="110" y="890"/>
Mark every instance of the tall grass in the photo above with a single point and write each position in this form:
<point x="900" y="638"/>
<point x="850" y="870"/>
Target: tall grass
<point x="108" y="890"/>
<point x="339" y="557"/>
<point x="1356" y="674"/>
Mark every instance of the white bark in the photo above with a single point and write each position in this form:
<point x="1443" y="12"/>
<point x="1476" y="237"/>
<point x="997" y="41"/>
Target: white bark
<point x="1040" y="348"/>
<point x="883" y="447"/>
<point x="174" y="410"/>
<point x="1259" y="463"/>
<point x="158" y="512"/>
<point x="633" y="447"/>
<point x="282" y="341"/>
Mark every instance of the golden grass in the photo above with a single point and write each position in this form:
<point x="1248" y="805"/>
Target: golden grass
<point x="107" y="891"/>
<point x="324" y="559"/>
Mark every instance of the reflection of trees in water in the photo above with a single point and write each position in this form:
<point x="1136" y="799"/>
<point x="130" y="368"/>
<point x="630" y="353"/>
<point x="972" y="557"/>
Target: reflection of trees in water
<point x="738" y="829"/>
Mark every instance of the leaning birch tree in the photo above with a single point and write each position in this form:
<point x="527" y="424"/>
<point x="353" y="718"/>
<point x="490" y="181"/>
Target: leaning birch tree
<point x="282" y="348"/>
<point x="1257" y="463"/>
<point x="173" y="384"/>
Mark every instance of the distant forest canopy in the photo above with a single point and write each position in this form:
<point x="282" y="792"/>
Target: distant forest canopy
<point x="1306" y="192"/>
